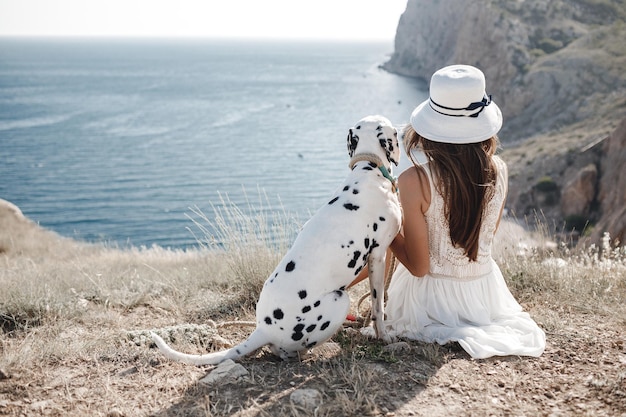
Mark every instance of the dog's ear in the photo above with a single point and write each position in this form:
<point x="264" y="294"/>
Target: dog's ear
<point x="353" y="140"/>
<point x="388" y="138"/>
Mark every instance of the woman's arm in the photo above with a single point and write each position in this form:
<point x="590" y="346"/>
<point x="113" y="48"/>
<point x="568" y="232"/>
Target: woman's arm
<point x="411" y="245"/>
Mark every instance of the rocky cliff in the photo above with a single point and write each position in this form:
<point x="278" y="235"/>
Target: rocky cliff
<point x="612" y="187"/>
<point x="557" y="70"/>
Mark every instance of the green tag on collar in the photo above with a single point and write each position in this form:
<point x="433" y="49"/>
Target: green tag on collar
<point x="387" y="175"/>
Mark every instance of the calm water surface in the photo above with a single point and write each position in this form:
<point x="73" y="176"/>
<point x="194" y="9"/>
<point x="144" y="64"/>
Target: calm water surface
<point x="106" y="140"/>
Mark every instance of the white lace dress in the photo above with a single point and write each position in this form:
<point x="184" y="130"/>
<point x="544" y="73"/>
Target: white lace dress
<point x="458" y="300"/>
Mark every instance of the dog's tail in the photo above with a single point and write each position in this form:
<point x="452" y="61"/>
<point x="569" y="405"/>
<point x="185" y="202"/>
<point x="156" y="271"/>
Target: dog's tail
<point x="255" y="341"/>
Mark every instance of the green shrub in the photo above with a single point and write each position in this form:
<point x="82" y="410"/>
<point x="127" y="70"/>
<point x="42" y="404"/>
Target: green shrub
<point x="546" y="184"/>
<point x="578" y="223"/>
<point x="549" y="45"/>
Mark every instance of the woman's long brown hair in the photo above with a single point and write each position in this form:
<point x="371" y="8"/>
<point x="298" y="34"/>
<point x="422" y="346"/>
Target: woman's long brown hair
<point x="465" y="175"/>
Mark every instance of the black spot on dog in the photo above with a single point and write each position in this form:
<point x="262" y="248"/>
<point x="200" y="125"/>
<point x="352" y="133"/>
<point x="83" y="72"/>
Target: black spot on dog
<point x="382" y="219"/>
<point x="374" y="294"/>
<point x="353" y="141"/>
<point x="367" y="168"/>
<point x="306" y="309"/>
<point x="339" y="293"/>
<point x="297" y="332"/>
<point x="317" y="303"/>
<point x="278" y="314"/>
<point x="311" y="328"/>
<point x="342" y="288"/>
<point x="383" y="142"/>
<point x="310" y="345"/>
<point x="355" y="258"/>
<point x="302" y="294"/>
<point x="366" y="242"/>
<point x="268" y="320"/>
<point x="346" y="188"/>
<point x="373" y="165"/>
<point x="290" y="266"/>
<point x="238" y="351"/>
<point x="324" y="325"/>
<point x="333" y="200"/>
<point x="375" y="226"/>
<point x="358" y="270"/>
<point x="355" y="191"/>
<point x="351" y="207"/>
<point x="319" y="318"/>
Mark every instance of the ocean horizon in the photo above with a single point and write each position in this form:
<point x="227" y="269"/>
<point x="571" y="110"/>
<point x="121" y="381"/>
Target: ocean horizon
<point x="120" y="141"/>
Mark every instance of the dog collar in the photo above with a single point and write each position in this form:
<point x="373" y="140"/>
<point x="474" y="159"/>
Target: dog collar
<point x="370" y="157"/>
<point x="392" y="179"/>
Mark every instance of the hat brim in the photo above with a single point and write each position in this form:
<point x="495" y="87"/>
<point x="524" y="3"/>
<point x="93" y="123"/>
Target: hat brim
<point x="438" y="127"/>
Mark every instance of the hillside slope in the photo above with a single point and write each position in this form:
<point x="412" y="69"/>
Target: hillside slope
<point x="556" y="68"/>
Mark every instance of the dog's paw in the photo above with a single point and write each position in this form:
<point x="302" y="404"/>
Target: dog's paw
<point x="386" y="338"/>
<point x="383" y="334"/>
<point x="371" y="333"/>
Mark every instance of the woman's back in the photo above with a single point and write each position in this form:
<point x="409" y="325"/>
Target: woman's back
<point x="445" y="258"/>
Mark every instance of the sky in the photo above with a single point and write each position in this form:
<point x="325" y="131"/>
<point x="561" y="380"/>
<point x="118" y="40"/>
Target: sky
<point x="285" y="19"/>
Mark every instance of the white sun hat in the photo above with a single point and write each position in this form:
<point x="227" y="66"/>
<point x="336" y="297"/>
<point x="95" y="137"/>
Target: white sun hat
<point x="458" y="111"/>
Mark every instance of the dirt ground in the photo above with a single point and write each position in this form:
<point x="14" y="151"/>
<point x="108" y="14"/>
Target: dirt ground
<point x="81" y="362"/>
<point x="581" y="373"/>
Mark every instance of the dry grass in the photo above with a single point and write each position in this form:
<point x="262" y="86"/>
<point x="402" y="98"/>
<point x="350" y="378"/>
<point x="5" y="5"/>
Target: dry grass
<point x="66" y="310"/>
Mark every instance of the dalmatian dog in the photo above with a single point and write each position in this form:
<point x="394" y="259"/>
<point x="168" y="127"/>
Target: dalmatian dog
<point x="304" y="301"/>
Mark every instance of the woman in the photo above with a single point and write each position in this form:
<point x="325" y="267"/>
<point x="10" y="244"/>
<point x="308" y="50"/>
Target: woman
<point x="447" y="286"/>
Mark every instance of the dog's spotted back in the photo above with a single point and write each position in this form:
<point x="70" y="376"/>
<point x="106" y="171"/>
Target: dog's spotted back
<point x="304" y="301"/>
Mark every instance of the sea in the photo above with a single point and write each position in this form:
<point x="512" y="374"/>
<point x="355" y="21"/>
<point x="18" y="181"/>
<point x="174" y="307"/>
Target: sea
<point x="125" y="141"/>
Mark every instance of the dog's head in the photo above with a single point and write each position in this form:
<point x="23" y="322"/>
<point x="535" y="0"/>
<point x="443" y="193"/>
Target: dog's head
<point x="375" y="134"/>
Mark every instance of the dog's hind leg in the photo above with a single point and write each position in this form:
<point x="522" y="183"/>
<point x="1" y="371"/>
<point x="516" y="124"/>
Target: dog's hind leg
<point x="324" y="321"/>
<point x="255" y="341"/>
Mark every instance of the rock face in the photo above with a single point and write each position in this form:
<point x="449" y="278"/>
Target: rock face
<point x="580" y="192"/>
<point x="612" y="193"/>
<point x="547" y="63"/>
<point x="432" y="34"/>
<point x="556" y="69"/>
